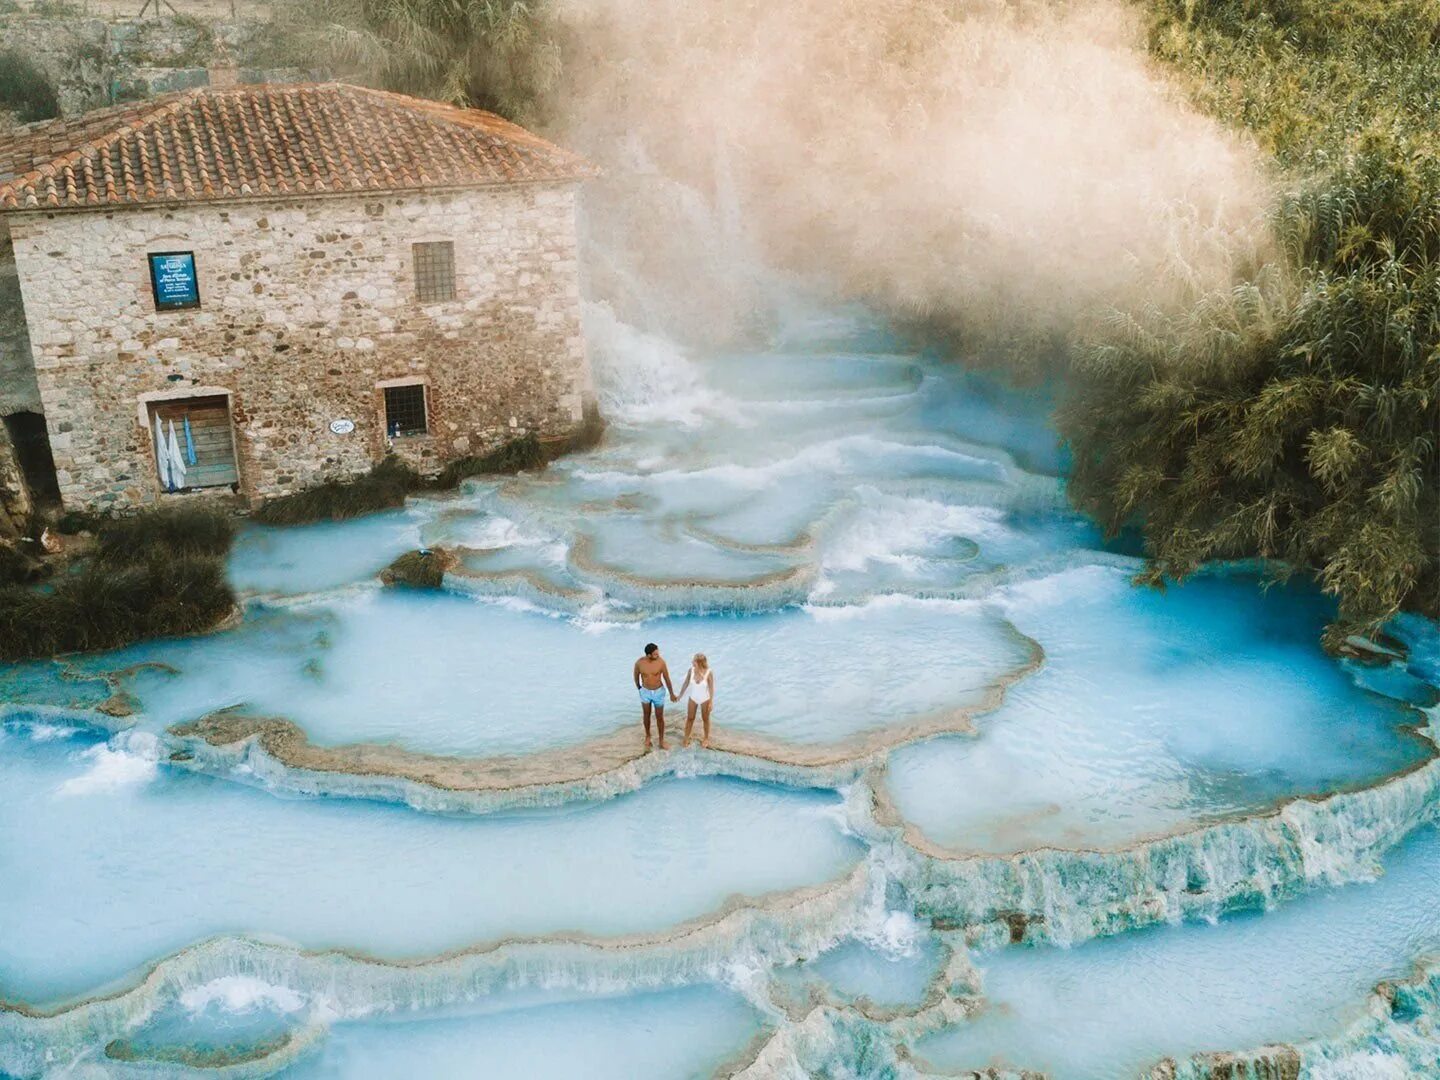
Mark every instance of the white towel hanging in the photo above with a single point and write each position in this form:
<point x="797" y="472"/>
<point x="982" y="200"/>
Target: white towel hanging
<point x="177" y="461"/>
<point x="162" y="456"/>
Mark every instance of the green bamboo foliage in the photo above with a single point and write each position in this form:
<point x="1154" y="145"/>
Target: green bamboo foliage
<point x="1296" y="416"/>
<point x="495" y="54"/>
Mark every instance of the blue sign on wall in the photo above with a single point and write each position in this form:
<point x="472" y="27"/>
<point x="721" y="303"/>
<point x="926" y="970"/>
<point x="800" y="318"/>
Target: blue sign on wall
<point x="172" y="279"/>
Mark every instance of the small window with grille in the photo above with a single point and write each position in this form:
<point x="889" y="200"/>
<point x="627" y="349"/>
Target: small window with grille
<point x="405" y="410"/>
<point x="434" y="271"/>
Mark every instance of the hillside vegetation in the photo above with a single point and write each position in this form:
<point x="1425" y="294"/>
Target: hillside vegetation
<point x="1295" y="415"/>
<point x="495" y="54"/>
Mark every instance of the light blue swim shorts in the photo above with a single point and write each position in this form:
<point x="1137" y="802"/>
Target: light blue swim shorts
<point x="657" y="697"/>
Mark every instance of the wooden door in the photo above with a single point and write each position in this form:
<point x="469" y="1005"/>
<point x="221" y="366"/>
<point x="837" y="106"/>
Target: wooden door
<point x="211" y="434"/>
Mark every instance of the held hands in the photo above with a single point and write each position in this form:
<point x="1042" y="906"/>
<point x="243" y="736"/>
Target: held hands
<point x="674" y="697"/>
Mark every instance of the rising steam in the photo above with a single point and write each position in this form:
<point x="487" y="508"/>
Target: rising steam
<point x="1004" y="165"/>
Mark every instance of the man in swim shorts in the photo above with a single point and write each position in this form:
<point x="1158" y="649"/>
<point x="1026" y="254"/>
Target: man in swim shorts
<point x="652" y="679"/>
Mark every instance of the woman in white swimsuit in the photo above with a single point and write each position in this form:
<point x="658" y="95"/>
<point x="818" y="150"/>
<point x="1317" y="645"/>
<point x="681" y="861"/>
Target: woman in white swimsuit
<point x="700" y="681"/>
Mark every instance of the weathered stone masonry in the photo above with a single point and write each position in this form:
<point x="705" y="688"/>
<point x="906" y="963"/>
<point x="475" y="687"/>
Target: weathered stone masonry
<point x="306" y="305"/>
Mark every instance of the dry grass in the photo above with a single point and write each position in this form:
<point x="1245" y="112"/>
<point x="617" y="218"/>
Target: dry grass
<point x="388" y="483"/>
<point x="155" y="574"/>
<point x="383" y="487"/>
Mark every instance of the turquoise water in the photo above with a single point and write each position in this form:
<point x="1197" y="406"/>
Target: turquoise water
<point x="662" y="1035"/>
<point x="931" y="659"/>
<point x="484" y="679"/>
<point x="681" y="1035"/>
<point x="1109" y="1008"/>
<point x="311" y="558"/>
<point x="180" y="858"/>
<point x="1200" y="703"/>
<point x="888" y="970"/>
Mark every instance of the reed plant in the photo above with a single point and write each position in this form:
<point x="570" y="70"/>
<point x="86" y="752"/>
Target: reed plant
<point x="158" y="573"/>
<point x="385" y="486"/>
<point x="180" y="530"/>
<point x="1294" y="415"/>
<point x="390" y="482"/>
<point x="515" y="456"/>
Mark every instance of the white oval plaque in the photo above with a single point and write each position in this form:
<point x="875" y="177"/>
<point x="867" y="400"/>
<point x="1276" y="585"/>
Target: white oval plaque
<point x="342" y="427"/>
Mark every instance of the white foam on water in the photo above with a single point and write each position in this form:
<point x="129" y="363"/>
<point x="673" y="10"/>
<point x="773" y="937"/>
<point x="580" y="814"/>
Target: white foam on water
<point x="837" y="455"/>
<point x="517" y="604"/>
<point x="129" y="759"/>
<point x="242" y="994"/>
<point x="902" y="532"/>
<point x="888" y="602"/>
<point x="896" y="934"/>
<point x="835" y="813"/>
<point x="823" y="588"/>
<point x="746" y="975"/>
<point x="644" y="378"/>
<point x="1050" y="589"/>
<point x="1365" y="1065"/>
<point x="596" y="619"/>
<point x="493" y="531"/>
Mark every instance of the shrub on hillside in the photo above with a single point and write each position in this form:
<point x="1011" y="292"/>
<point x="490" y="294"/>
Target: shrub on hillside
<point x="24" y="88"/>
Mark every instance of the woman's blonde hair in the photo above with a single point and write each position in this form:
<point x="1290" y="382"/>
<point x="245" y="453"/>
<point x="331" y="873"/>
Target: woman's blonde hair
<point x="701" y="661"/>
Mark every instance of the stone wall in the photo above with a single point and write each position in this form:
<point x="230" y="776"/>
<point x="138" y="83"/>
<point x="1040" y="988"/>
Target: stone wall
<point x="18" y="390"/>
<point x="93" y="63"/>
<point x="15" y="502"/>
<point x="73" y="53"/>
<point x="307" y="305"/>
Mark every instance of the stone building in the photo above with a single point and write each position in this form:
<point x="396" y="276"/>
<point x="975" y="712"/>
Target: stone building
<point x="295" y="279"/>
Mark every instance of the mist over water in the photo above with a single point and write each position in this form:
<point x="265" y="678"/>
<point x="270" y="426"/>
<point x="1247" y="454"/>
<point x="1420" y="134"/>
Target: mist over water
<point x="1010" y="167"/>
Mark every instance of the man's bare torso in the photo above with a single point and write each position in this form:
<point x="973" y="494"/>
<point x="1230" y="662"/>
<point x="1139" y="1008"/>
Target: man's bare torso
<point x="651" y="672"/>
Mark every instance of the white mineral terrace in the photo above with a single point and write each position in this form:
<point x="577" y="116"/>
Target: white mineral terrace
<point x="974" y="800"/>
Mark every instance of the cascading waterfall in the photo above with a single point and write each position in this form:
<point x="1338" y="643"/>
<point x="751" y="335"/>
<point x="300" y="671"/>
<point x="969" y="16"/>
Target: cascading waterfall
<point x="958" y="759"/>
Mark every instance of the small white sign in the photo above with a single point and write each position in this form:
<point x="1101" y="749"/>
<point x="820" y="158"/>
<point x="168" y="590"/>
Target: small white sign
<point x="342" y="427"/>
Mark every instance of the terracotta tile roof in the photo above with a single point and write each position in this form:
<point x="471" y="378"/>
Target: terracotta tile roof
<point x="266" y="142"/>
